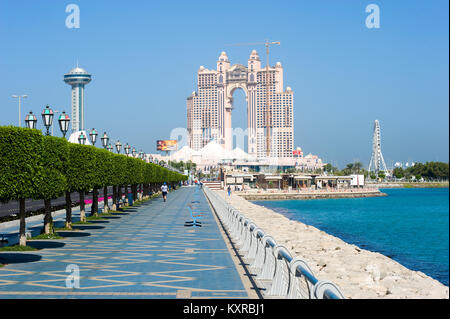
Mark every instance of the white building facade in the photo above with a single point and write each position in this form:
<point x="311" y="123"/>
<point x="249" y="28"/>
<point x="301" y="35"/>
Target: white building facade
<point x="270" y="108"/>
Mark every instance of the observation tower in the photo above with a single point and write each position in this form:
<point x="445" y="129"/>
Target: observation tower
<point x="77" y="78"/>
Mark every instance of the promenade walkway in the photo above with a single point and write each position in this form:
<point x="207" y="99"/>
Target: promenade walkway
<point x="145" y="252"/>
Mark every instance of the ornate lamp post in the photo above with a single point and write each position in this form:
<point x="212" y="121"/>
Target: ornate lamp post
<point x="82" y="138"/>
<point x="93" y="135"/>
<point x="133" y="152"/>
<point x="47" y="117"/>
<point x="109" y="148"/>
<point x="105" y="140"/>
<point x="30" y="120"/>
<point x="64" y="121"/>
<point x="127" y="149"/>
<point x="118" y="146"/>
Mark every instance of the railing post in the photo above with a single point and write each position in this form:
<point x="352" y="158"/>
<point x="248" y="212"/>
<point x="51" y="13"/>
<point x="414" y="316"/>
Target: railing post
<point x="281" y="279"/>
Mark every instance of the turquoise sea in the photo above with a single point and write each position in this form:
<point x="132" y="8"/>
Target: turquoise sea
<point x="410" y="226"/>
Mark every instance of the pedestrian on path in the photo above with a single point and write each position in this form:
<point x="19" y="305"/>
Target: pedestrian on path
<point x="164" y="191"/>
<point x="229" y="190"/>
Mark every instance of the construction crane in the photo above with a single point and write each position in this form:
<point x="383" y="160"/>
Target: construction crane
<point x="268" y="110"/>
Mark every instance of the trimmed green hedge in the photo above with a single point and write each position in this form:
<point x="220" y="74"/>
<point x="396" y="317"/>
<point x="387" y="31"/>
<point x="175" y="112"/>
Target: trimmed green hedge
<point x="38" y="167"/>
<point x="54" y="161"/>
<point x="44" y="167"/>
<point x="21" y="170"/>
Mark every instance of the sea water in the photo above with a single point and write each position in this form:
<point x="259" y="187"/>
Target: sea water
<point x="410" y="226"/>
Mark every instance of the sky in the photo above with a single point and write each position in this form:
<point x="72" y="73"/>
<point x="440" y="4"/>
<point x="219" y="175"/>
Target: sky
<point x="144" y="56"/>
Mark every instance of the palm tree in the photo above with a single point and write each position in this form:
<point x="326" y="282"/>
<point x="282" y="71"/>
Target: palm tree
<point x="357" y="166"/>
<point x="349" y="169"/>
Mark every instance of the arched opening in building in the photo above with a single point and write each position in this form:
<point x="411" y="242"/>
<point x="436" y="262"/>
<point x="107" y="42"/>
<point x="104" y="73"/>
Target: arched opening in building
<point x="239" y="120"/>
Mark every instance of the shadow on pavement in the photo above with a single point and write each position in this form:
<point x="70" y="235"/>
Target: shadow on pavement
<point x="43" y="244"/>
<point x="84" y="227"/>
<point x="72" y="234"/>
<point x="148" y="203"/>
<point x="18" y="258"/>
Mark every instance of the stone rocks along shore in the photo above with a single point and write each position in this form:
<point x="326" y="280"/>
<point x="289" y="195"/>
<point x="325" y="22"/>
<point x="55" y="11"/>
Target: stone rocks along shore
<point x="359" y="273"/>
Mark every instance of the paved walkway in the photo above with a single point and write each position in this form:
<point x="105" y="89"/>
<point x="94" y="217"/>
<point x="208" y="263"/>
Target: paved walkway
<point x="35" y="224"/>
<point x="145" y="252"/>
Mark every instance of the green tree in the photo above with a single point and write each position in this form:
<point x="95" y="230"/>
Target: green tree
<point x="55" y="155"/>
<point x="348" y="169"/>
<point x="82" y="175"/>
<point x="398" y="172"/>
<point x="101" y="178"/>
<point x="21" y="170"/>
<point x="330" y="169"/>
<point x="429" y="170"/>
<point x="357" y="167"/>
<point x="106" y="174"/>
<point x="120" y="177"/>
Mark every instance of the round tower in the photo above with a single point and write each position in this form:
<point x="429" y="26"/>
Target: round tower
<point x="77" y="78"/>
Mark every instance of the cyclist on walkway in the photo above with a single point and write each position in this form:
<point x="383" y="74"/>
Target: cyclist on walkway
<point x="164" y="191"/>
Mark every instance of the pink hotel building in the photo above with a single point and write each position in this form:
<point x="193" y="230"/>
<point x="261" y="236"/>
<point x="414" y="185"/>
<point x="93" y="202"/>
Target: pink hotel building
<point x="209" y="109"/>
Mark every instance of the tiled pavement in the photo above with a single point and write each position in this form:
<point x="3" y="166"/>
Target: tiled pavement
<point x="146" y="252"/>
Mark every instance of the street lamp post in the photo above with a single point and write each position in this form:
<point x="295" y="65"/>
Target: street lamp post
<point x="109" y="148"/>
<point x="105" y="140"/>
<point x="64" y="121"/>
<point x="127" y="149"/>
<point x="118" y="146"/>
<point x="82" y="138"/>
<point x="30" y="121"/>
<point x="47" y="117"/>
<point x="93" y="135"/>
<point x="133" y="152"/>
<point x="20" y="97"/>
<point x="140" y="185"/>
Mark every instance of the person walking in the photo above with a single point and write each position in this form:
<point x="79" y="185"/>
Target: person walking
<point x="229" y="190"/>
<point x="164" y="190"/>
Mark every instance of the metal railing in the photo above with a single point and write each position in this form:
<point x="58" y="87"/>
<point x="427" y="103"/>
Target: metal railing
<point x="277" y="273"/>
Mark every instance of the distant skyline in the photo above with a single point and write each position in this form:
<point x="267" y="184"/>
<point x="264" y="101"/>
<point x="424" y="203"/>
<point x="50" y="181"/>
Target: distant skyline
<point x="144" y="55"/>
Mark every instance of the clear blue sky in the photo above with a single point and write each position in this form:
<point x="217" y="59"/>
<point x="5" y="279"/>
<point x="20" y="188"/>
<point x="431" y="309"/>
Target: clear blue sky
<point x="144" y="56"/>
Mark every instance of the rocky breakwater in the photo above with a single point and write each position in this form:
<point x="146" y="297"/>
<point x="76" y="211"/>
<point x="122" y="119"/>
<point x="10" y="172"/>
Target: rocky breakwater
<point x="359" y="273"/>
<point x="267" y="195"/>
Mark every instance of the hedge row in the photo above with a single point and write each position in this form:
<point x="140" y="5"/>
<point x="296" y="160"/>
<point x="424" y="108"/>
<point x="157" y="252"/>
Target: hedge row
<point x="45" y="167"/>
